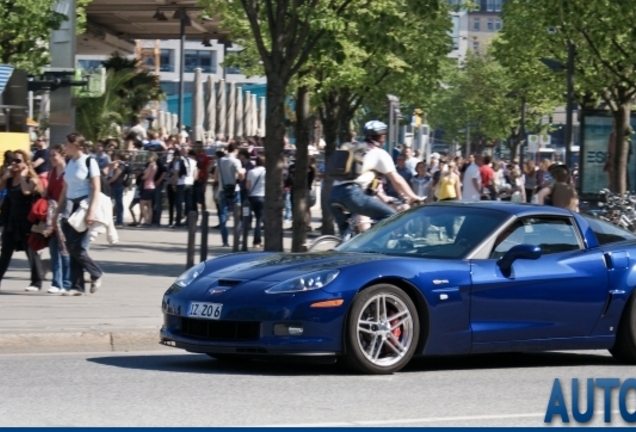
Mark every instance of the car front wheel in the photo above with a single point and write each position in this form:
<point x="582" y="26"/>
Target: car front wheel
<point x="383" y="330"/>
<point x="624" y="348"/>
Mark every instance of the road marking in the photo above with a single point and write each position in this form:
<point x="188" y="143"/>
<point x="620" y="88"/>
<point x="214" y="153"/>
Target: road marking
<point x="422" y="420"/>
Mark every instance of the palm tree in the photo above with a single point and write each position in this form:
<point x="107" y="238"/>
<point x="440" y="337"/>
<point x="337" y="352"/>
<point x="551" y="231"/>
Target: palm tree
<point x="98" y="117"/>
<point x="142" y="88"/>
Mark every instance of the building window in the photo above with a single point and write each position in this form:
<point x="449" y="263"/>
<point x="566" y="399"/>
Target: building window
<point x="476" y="46"/>
<point x="166" y="60"/>
<point x="493" y="5"/>
<point x="204" y="59"/>
<point x="477" y="6"/>
<point x="90" y="65"/>
<point x="490" y="26"/>
<point x="169" y="87"/>
<point x="497" y="24"/>
<point x="476" y="24"/>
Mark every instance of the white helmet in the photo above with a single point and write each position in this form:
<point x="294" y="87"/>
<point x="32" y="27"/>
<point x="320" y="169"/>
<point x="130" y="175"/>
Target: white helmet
<point x="375" y="128"/>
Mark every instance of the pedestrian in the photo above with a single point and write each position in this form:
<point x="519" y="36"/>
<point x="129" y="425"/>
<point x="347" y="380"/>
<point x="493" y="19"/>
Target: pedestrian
<point x="256" y="192"/>
<point x="60" y="259"/>
<point x="115" y="177"/>
<point x="148" y="193"/>
<point x="23" y="187"/>
<point x="139" y="188"/>
<point x="82" y="183"/>
<point x="228" y="175"/>
<point x="560" y="193"/>
<point x="530" y="175"/>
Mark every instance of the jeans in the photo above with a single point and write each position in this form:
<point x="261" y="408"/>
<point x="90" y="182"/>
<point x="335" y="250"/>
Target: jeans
<point x="199" y="193"/>
<point x="224" y="206"/>
<point x="258" y="205"/>
<point x="9" y="246"/>
<point x="60" y="265"/>
<point x="288" y="205"/>
<point x="80" y="261"/>
<point x="184" y="196"/>
<point x="157" y="205"/>
<point x="117" y="193"/>
<point x="354" y="199"/>
<point x="172" y="199"/>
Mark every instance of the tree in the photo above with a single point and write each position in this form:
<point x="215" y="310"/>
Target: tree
<point x="25" y="28"/>
<point x="602" y="33"/>
<point x="97" y="117"/>
<point x="141" y="87"/>
<point x="284" y="34"/>
<point x="392" y="46"/>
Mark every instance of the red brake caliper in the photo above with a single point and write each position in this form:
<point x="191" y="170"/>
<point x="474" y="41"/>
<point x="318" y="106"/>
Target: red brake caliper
<point x="397" y="332"/>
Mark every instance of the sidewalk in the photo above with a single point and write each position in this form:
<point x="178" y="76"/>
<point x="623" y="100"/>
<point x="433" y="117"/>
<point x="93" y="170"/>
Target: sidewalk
<point x="124" y="315"/>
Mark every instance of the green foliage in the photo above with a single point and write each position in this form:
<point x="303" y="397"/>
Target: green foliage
<point x="98" y="117"/>
<point x="25" y="27"/>
<point x="81" y="15"/>
<point x="603" y="35"/>
<point x="141" y="87"/>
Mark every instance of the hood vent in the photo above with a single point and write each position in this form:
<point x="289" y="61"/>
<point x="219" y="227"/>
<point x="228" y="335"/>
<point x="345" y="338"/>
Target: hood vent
<point x="229" y="282"/>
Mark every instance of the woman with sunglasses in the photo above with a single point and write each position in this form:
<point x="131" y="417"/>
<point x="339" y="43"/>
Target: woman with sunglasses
<point x="23" y="187"/>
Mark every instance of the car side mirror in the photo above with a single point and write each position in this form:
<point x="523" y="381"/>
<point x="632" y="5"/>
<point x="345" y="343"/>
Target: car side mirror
<point x="522" y="251"/>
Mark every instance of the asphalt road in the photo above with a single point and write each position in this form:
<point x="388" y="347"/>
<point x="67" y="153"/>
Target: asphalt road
<point x="169" y="388"/>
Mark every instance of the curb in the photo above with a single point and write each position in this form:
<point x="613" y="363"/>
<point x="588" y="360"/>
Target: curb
<point x="116" y="341"/>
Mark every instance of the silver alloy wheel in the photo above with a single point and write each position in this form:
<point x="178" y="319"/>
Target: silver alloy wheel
<point x="385" y="329"/>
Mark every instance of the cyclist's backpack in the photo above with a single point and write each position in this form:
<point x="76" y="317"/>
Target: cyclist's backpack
<point x="345" y="163"/>
<point x="127" y="176"/>
<point x="103" y="180"/>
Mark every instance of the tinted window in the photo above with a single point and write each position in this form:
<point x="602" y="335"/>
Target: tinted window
<point x="435" y="231"/>
<point x="553" y="235"/>
<point x="607" y="233"/>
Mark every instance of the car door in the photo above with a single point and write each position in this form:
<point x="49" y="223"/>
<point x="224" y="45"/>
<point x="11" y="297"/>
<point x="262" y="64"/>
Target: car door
<point x="559" y="295"/>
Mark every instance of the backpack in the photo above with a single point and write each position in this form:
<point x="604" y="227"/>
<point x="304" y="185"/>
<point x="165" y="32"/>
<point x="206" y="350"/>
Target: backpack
<point x="126" y="176"/>
<point x="345" y="163"/>
<point x="105" y="187"/>
<point x="183" y="171"/>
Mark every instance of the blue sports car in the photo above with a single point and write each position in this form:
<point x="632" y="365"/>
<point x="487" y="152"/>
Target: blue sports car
<point x="447" y="278"/>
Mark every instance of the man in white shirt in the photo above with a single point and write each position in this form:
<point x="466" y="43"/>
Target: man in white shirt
<point x="353" y="194"/>
<point x="183" y="177"/>
<point x="409" y="160"/>
<point x="139" y="130"/>
<point x="471" y="182"/>
<point x="227" y="175"/>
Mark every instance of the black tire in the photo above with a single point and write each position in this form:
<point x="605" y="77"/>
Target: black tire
<point x="324" y="243"/>
<point x="624" y="348"/>
<point x="361" y="346"/>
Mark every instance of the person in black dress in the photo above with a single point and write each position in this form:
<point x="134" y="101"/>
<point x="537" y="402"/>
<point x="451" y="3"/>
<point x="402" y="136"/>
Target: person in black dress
<point x="23" y="188"/>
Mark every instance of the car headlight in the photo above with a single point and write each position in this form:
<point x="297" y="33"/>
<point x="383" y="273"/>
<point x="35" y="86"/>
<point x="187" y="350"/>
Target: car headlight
<point x="187" y="278"/>
<point x="308" y="282"/>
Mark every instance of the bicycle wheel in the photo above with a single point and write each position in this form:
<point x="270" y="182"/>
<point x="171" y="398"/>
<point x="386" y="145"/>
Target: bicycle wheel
<point x="324" y="243"/>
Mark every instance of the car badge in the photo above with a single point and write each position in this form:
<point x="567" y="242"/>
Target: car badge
<point x="217" y="291"/>
<point x="440" y="281"/>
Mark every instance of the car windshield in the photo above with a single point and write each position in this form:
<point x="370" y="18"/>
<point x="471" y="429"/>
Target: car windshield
<point x="433" y="231"/>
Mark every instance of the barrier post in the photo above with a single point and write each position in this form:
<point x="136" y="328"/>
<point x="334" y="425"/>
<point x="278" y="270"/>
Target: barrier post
<point x="205" y="226"/>
<point x="237" y="226"/>
<point x="192" y="229"/>
<point x="247" y="212"/>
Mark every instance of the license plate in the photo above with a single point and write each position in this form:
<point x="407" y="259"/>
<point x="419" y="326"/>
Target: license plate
<point x="205" y="310"/>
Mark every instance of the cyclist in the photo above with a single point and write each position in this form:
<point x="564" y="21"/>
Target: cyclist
<point x="357" y="195"/>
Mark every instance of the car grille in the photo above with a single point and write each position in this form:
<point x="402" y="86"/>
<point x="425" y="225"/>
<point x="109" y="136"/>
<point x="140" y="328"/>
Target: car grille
<point x="220" y="330"/>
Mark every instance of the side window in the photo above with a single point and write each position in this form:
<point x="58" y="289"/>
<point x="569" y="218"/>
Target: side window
<point x="607" y="233"/>
<point x="553" y="235"/>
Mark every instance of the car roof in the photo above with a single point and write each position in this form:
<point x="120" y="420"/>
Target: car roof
<point x="518" y="209"/>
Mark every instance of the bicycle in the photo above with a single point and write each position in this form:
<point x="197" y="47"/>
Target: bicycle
<point x="329" y="242"/>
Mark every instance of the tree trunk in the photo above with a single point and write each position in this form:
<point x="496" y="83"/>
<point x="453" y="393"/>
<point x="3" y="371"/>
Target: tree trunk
<point x="330" y="124"/>
<point x="622" y="138"/>
<point x="515" y="142"/>
<point x="274" y="164"/>
<point x="299" y="185"/>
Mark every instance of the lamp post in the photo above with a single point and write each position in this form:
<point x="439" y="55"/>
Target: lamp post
<point x="557" y="66"/>
<point x="522" y="124"/>
<point x="184" y="19"/>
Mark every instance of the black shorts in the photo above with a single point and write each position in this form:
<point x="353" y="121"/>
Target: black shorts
<point x="147" y="194"/>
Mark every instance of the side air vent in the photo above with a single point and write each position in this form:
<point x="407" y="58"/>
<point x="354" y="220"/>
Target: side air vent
<point x="229" y="282"/>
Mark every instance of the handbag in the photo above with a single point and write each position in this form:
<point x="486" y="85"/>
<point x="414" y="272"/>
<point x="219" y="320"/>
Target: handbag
<point x="229" y="191"/>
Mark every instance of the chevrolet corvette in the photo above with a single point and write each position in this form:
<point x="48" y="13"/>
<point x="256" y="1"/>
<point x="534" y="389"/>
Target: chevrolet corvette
<point x="444" y="279"/>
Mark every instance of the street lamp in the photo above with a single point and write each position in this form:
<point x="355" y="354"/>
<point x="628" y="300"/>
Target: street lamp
<point x="522" y="125"/>
<point x="557" y="66"/>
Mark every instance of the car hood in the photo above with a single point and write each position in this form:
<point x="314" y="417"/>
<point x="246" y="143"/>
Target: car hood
<point x="284" y="266"/>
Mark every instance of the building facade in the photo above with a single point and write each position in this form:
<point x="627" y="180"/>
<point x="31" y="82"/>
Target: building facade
<point x="483" y="23"/>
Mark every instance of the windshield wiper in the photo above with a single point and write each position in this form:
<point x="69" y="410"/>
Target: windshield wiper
<point x="368" y="252"/>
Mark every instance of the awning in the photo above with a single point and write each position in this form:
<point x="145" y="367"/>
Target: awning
<point x="5" y="74"/>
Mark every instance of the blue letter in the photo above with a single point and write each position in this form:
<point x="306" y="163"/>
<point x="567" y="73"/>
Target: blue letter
<point x="576" y="413"/>
<point x="622" y="400"/>
<point x="608" y="384"/>
<point x="556" y="404"/>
